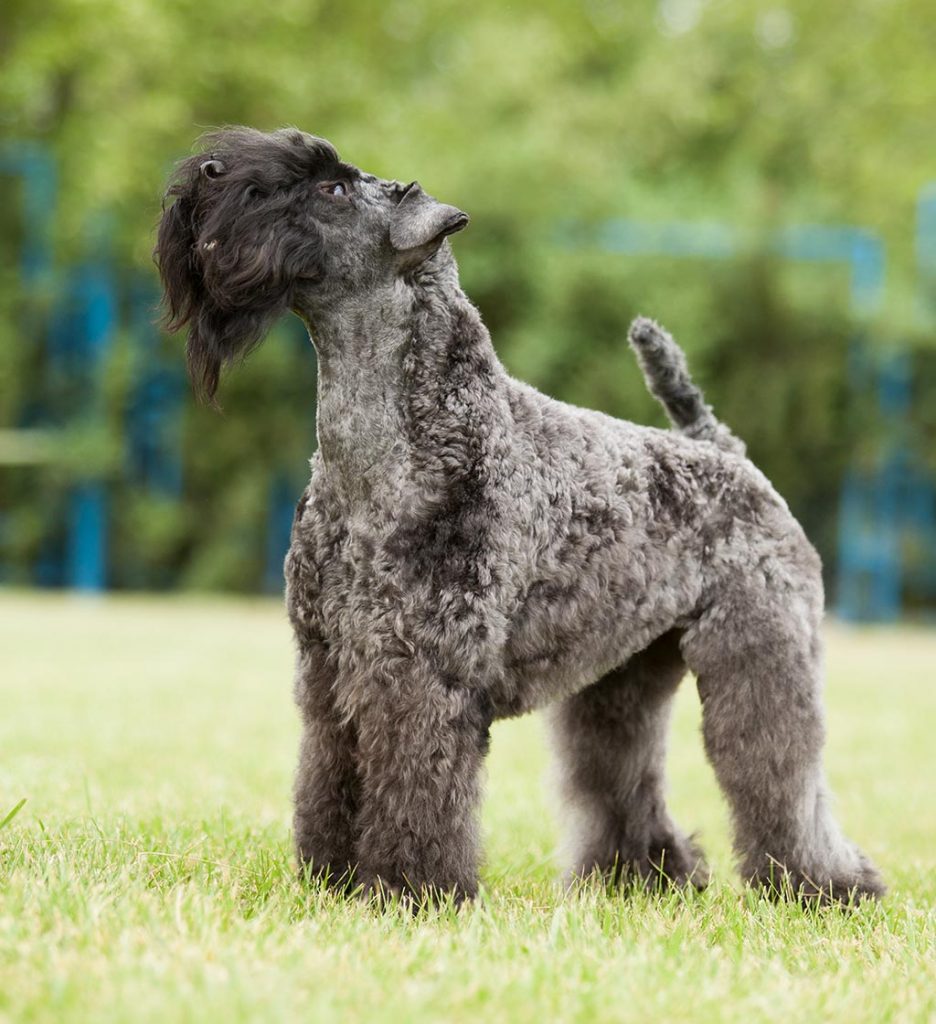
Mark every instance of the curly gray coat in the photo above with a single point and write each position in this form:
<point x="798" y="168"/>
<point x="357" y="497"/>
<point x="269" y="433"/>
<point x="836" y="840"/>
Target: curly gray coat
<point x="469" y="549"/>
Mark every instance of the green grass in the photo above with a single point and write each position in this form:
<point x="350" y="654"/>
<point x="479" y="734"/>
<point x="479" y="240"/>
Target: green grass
<point x="148" y="877"/>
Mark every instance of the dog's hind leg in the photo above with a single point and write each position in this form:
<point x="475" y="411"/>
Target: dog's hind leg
<point x="610" y="740"/>
<point x="326" y="784"/>
<point x="757" y="655"/>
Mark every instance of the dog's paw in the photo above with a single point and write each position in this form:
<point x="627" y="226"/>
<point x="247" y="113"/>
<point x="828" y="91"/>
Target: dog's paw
<point x="658" y="864"/>
<point x="383" y="894"/>
<point x="676" y="861"/>
<point x="814" y="889"/>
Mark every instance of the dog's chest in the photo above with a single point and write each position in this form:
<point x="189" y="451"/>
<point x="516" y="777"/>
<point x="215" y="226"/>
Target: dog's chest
<point x="366" y="581"/>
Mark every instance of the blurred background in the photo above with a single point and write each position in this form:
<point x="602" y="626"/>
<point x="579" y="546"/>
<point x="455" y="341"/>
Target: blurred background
<point x="760" y="177"/>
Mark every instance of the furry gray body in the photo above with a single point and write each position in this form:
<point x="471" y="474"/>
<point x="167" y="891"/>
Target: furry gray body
<point x="469" y="549"/>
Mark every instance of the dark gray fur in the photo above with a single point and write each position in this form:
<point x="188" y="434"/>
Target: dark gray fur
<point x="469" y="549"/>
<point x="667" y="376"/>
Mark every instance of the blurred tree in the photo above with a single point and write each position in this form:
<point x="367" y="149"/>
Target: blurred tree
<point x="526" y="115"/>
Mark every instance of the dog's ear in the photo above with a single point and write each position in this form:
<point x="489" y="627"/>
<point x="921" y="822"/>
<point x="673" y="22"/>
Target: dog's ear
<point x="227" y="268"/>
<point x="175" y="241"/>
<point x="421" y="222"/>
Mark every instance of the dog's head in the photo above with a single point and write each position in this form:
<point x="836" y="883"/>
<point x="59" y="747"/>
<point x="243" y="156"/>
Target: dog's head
<point x="257" y="224"/>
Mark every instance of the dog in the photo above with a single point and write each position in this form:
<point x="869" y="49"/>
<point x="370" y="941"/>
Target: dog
<point x="468" y="549"/>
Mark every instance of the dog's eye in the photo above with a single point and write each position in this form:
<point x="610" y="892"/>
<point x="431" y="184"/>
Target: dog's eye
<point x="334" y="188"/>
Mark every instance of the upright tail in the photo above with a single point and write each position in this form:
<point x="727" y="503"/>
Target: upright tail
<point x="667" y="375"/>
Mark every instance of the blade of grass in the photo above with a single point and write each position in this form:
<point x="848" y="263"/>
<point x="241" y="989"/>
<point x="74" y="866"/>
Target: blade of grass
<point x="12" y="814"/>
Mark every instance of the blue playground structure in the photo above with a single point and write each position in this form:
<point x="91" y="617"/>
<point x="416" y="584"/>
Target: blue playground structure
<point x="88" y="304"/>
<point x="887" y="504"/>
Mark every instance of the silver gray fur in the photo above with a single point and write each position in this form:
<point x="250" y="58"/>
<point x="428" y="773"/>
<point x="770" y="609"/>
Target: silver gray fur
<point x="469" y="549"/>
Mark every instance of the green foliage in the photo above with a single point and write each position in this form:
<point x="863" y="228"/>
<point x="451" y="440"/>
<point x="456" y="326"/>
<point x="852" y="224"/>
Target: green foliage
<point x="527" y="115"/>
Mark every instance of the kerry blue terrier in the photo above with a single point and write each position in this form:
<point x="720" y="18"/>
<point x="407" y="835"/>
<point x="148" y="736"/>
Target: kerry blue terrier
<point x="469" y="549"/>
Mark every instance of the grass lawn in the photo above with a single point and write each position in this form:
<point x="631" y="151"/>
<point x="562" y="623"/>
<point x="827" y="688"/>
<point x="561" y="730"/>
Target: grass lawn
<point x="149" y="875"/>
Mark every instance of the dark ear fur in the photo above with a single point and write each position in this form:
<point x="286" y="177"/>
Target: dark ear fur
<point x="421" y="221"/>
<point x="226" y="269"/>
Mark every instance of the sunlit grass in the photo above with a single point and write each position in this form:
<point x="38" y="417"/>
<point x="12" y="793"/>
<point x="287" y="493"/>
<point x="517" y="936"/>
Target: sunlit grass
<point x="149" y="874"/>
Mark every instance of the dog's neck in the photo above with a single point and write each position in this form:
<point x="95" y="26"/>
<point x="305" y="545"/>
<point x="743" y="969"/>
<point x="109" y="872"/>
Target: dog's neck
<point x="400" y="375"/>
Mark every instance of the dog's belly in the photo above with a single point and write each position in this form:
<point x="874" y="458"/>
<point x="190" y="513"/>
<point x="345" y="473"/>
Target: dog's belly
<point x="573" y="629"/>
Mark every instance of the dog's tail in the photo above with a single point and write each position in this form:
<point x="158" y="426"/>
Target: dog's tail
<point x="667" y="375"/>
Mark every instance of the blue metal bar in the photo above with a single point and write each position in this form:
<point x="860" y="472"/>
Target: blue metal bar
<point x="282" y="506"/>
<point x="920" y="498"/>
<point x="33" y="165"/>
<point x="861" y="250"/>
<point x="37" y="170"/>
<point x="712" y="241"/>
<point x="89" y="338"/>
<point x="87" y="538"/>
<point x="154" y="437"/>
<point x="284" y="490"/>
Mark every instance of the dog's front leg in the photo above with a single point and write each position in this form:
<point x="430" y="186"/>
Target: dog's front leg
<point x="326" y="787"/>
<point x="422" y="740"/>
